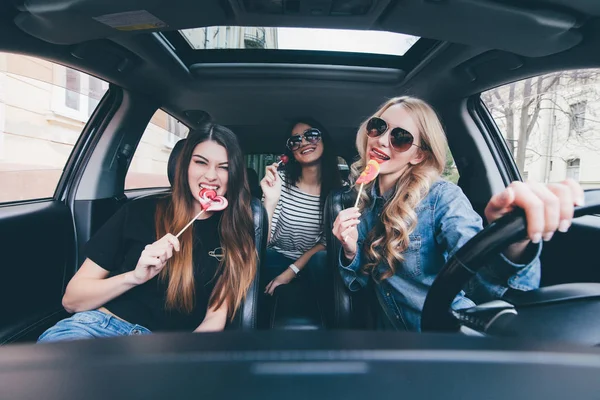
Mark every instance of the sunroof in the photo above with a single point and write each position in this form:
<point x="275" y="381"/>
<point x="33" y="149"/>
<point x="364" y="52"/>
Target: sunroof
<point x="337" y="40"/>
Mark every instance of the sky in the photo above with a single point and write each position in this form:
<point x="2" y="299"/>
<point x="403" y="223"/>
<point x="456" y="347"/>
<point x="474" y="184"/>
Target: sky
<point x="344" y="40"/>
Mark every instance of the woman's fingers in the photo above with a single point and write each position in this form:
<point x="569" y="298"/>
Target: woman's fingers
<point x="153" y="252"/>
<point x="172" y="240"/>
<point x="566" y="204"/>
<point x="533" y="206"/>
<point x="576" y="192"/>
<point x="547" y="207"/>
<point x="349" y="233"/>
<point x="341" y="222"/>
<point x="349" y="223"/>
<point x="272" y="172"/>
<point x="551" y="209"/>
<point x="268" y="287"/>
<point x="273" y="287"/>
<point x="348" y="213"/>
<point x="150" y="261"/>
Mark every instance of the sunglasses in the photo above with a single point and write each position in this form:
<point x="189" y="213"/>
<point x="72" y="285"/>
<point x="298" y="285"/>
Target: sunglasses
<point x="312" y="136"/>
<point x="400" y="139"/>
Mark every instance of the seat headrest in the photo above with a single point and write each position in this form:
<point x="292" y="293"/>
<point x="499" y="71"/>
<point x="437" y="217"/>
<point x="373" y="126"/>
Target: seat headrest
<point x="172" y="163"/>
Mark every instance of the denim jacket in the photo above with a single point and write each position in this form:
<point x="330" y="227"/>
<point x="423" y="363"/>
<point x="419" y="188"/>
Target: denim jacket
<point x="446" y="221"/>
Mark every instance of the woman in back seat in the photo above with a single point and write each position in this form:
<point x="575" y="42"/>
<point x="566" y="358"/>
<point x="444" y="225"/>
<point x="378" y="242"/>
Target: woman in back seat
<point x="138" y="277"/>
<point x="294" y="199"/>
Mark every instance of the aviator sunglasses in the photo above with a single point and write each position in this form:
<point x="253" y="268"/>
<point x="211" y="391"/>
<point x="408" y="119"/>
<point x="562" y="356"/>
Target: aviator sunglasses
<point x="400" y="139"/>
<point x="311" y="135"/>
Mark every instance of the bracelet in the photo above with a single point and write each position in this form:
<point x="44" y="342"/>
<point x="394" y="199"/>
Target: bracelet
<point x="295" y="269"/>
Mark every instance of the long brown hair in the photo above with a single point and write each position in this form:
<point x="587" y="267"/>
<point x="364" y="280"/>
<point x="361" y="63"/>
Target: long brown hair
<point x="237" y="269"/>
<point x="390" y="238"/>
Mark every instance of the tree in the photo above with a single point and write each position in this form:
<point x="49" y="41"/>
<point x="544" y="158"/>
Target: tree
<point x="516" y="107"/>
<point x="520" y="105"/>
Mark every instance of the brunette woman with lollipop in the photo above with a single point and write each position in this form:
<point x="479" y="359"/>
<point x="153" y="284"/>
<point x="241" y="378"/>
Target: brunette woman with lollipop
<point x="139" y="278"/>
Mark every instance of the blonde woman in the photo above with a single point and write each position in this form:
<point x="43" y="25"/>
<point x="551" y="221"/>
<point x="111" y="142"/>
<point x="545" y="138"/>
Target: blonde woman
<point x="409" y="221"/>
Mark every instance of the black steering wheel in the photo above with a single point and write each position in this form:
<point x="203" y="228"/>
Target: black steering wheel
<point x="502" y="317"/>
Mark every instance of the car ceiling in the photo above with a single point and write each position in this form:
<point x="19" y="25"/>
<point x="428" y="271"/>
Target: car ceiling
<point x="478" y="44"/>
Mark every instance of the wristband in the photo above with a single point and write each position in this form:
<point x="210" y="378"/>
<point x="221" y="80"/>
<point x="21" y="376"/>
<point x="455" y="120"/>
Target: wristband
<point x="295" y="269"/>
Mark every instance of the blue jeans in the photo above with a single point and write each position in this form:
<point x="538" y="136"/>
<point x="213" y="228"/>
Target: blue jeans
<point x="315" y="272"/>
<point x="276" y="263"/>
<point x="89" y="325"/>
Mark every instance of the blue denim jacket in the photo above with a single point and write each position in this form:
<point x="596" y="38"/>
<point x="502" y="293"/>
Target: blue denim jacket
<point x="446" y="221"/>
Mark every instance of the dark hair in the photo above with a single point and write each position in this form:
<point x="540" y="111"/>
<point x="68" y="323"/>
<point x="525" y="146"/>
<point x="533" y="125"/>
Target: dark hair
<point x="330" y="174"/>
<point x="238" y="267"/>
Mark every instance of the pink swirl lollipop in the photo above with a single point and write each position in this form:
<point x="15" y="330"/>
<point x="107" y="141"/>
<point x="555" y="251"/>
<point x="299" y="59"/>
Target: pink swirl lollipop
<point x="209" y="201"/>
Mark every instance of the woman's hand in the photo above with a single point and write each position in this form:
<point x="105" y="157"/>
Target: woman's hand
<point x="345" y="230"/>
<point x="154" y="258"/>
<point x="547" y="207"/>
<point x="271" y="185"/>
<point x="283" y="279"/>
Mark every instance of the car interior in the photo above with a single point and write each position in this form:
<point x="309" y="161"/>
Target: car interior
<point x="464" y="49"/>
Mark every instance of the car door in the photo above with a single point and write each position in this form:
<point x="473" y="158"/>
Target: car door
<point x="554" y="118"/>
<point x="46" y="120"/>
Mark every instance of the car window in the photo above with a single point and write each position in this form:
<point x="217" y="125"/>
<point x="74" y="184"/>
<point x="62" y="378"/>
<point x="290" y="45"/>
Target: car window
<point x="551" y="125"/>
<point x="148" y="168"/>
<point x="258" y="162"/>
<point x="43" y="109"/>
<point x="450" y="171"/>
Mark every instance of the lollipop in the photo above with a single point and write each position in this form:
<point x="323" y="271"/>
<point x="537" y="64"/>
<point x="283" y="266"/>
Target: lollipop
<point x="209" y="201"/>
<point x="371" y="171"/>
<point x="283" y="159"/>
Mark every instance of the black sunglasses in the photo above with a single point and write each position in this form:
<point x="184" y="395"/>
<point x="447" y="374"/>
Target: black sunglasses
<point x="400" y="139"/>
<point x="311" y="135"/>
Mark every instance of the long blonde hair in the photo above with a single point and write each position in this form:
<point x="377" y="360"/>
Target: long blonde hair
<point x="390" y="238"/>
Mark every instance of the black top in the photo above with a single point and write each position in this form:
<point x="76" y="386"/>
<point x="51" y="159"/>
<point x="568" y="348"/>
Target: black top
<point x="117" y="247"/>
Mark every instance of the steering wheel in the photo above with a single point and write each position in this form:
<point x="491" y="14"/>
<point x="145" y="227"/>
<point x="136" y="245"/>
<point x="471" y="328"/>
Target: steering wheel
<point x="533" y="313"/>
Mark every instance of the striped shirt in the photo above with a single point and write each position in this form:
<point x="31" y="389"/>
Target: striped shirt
<point x="296" y="223"/>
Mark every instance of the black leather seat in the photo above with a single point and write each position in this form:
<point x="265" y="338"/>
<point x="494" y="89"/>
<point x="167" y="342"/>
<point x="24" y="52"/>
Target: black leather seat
<point x="351" y="310"/>
<point x="246" y="317"/>
<point x="254" y="183"/>
<point x="295" y="306"/>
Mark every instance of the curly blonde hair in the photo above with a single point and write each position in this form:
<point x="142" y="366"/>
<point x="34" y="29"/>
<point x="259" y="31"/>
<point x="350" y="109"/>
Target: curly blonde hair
<point x="388" y="240"/>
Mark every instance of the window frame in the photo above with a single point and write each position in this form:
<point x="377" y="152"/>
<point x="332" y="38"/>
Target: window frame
<point x="59" y="95"/>
<point x="570" y="167"/>
<point x="577" y="118"/>
<point x="167" y="143"/>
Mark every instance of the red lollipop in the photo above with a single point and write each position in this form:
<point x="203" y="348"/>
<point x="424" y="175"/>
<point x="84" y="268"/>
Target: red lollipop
<point x="283" y="159"/>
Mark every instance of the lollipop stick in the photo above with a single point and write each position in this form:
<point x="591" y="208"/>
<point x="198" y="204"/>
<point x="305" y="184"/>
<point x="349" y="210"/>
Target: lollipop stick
<point x="359" y="193"/>
<point x="356" y="204"/>
<point x="189" y="223"/>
